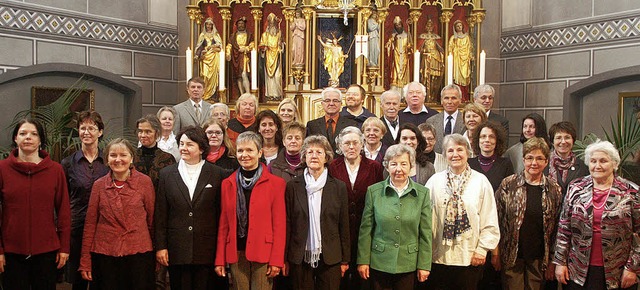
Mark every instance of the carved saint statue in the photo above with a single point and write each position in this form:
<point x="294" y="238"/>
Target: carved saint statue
<point x="208" y="53"/>
<point x="271" y="48"/>
<point x="460" y="46"/>
<point x="399" y="50"/>
<point x="373" y="29"/>
<point x="238" y="51"/>
<point x="333" y="59"/>
<point x="297" y="27"/>
<point x="432" y="62"/>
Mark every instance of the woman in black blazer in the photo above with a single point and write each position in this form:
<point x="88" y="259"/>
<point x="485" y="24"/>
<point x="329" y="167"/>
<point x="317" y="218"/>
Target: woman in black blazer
<point x="564" y="165"/>
<point x="187" y="213"/>
<point x="318" y="245"/>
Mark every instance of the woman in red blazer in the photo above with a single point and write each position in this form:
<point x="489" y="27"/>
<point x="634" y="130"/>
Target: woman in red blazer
<point x="358" y="173"/>
<point x="252" y="231"/>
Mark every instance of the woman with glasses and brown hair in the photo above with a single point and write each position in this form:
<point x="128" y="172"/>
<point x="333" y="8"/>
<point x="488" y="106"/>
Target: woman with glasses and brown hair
<point x="221" y="152"/>
<point x="528" y="204"/>
<point x="82" y="169"/>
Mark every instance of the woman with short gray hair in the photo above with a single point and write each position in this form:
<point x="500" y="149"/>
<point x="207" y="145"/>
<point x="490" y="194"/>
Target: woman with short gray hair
<point x="597" y="245"/>
<point x="245" y="120"/>
<point x="358" y="173"/>
<point x="252" y="232"/>
<point x="318" y="249"/>
<point x="465" y="221"/>
<point x="393" y="256"/>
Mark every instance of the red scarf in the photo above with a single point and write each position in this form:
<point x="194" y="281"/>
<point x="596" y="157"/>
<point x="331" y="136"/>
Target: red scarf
<point x="214" y="155"/>
<point x="246" y="122"/>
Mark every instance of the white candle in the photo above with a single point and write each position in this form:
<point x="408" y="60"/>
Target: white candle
<point x="221" y="73"/>
<point x="450" y="69"/>
<point x="416" y="66"/>
<point x="483" y="59"/>
<point x="254" y="69"/>
<point x="189" y="60"/>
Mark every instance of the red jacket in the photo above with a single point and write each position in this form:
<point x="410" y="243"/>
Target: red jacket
<point x="266" y="234"/>
<point x="33" y="195"/>
<point x="118" y="223"/>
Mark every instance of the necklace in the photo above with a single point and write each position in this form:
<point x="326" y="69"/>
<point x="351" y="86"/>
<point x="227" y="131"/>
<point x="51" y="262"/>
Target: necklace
<point x="291" y="164"/>
<point x="117" y="186"/>
<point x="486" y="164"/>
<point x="605" y="199"/>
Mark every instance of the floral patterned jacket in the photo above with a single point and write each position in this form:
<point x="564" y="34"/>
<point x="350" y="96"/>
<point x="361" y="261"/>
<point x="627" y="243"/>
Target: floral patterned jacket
<point x="620" y="227"/>
<point x="511" y="201"/>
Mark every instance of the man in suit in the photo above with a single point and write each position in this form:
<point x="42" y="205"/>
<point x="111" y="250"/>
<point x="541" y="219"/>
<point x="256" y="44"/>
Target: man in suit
<point x="390" y="104"/>
<point x="194" y="111"/>
<point x="354" y="110"/>
<point x="484" y="95"/>
<point x="416" y="112"/>
<point x="448" y="121"/>
<point x="331" y="123"/>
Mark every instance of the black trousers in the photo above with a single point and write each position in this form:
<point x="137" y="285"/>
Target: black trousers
<point x="196" y="277"/>
<point x="352" y="279"/>
<point x="323" y="277"/>
<point x="134" y="272"/>
<point x="595" y="281"/>
<point x="454" y="277"/>
<point x="36" y="272"/>
<point x="385" y="281"/>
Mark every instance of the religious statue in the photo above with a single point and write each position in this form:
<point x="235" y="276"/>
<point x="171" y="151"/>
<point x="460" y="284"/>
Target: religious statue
<point x="271" y="48"/>
<point x="399" y="50"/>
<point x="333" y="59"/>
<point x="373" y="29"/>
<point x="239" y="53"/>
<point x="208" y="52"/>
<point x="460" y="46"/>
<point x="432" y="62"/>
<point x="297" y="27"/>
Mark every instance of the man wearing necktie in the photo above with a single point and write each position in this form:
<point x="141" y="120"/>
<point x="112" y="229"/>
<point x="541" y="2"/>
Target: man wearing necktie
<point x="448" y="121"/>
<point x="194" y="111"/>
<point x="331" y="123"/>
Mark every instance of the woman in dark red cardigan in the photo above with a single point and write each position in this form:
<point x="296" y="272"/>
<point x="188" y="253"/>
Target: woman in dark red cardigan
<point x="358" y="173"/>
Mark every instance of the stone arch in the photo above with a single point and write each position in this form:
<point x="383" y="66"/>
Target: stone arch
<point x="116" y="97"/>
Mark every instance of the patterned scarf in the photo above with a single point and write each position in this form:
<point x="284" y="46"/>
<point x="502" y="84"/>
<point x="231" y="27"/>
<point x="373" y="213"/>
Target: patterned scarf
<point x="241" y="202"/>
<point x="456" y="221"/>
<point x="560" y="165"/>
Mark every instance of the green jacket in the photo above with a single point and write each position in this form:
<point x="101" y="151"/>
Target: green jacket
<point x="395" y="233"/>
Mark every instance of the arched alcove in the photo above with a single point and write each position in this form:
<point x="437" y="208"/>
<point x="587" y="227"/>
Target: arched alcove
<point x="118" y="100"/>
<point x="592" y="102"/>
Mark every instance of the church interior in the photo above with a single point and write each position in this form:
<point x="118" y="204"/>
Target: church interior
<point x="566" y="60"/>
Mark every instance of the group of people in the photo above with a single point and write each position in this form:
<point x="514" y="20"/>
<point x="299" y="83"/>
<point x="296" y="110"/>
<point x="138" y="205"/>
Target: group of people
<point x="414" y="199"/>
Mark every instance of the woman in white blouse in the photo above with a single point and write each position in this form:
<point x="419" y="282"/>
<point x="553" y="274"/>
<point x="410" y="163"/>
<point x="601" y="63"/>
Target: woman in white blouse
<point x="465" y="220"/>
<point x="167" y="141"/>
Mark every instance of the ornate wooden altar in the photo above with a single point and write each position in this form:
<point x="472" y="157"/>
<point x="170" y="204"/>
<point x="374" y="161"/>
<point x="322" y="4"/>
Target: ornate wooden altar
<point x="429" y="25"/>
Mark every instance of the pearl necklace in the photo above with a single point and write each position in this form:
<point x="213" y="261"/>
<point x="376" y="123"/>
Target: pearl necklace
<point x="605" y="199"/>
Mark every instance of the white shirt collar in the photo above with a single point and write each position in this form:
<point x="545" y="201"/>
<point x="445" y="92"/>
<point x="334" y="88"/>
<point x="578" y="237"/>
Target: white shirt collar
<point x="424" y="109"/>
<point x="372" y="154"/>
<point x="194" y="103"/>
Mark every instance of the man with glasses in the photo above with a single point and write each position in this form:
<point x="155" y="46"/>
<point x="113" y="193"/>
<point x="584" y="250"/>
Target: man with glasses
<point x="331" y="123"/>
<point x="484" y="95"/>
<point x="354" y="98"/>
<point x="416" y="112"/>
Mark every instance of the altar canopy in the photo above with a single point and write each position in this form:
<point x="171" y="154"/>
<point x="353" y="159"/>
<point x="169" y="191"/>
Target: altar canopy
<point x="298" y="47"/>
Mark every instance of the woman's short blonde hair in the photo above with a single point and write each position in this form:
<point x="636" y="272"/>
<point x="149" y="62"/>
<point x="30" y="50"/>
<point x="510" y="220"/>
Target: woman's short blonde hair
<point x="374" y="121"/>
<point x="288" y="101"/>
<point x="245" y="97"/>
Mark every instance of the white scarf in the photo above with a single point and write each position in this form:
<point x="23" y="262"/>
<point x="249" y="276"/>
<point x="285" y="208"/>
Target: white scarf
<point x="190" y="174"/>
<point x="314" y="187"/>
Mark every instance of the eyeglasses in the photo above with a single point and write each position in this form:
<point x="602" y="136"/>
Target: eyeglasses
<point x="350" y="143"/>
<point x="430" y="139"/>
<point x="88" y="129"/>
<point x="328" y="101"/>
<point x="530" y="159"/>
<point x="217" y="133"/>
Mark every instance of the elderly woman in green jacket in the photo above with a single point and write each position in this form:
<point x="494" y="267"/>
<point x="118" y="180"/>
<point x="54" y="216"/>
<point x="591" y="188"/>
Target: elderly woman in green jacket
<point x="394" y="245"/>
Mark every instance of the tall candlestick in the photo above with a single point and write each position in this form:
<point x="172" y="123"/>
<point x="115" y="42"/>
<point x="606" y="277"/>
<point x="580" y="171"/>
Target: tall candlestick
<point x="189" y="59"/>
<point x="483" y="59"/>
<point x="222" y="71"/>
<point x="416" y="66"/>
<point x="254" y="69"/>
<point x="450" y="69"/>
